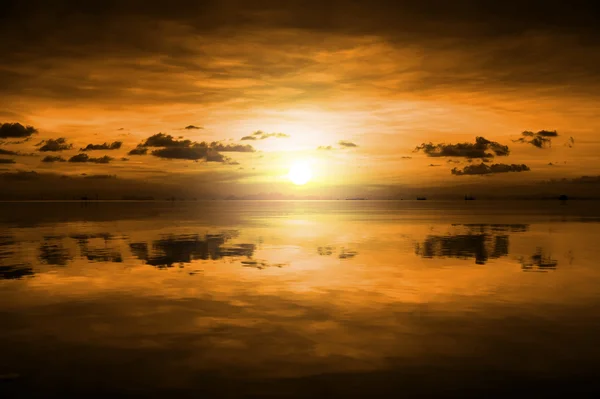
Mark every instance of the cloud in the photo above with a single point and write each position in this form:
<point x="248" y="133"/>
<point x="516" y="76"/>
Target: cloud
<point x="483" y="169"/>
<point x="81" y="158"/>
<point x="138" y="151"/>
<point x="191" y="153"/>
<point x="6" y="161"/>
<point x="100" y="177"/>
<point x="7" y="152"/>
<point x="326" y="148"/>
<point x="54" y="145"/>
<point x="217" y="146"/>
<point x="260" y="135"/>
<point x="20" y="175"/>
<point x="482" y="148"/>
<point x="190" y="150"/>
<point x="347" y="144"/>
<point x="405" y="157"/>
<point x="105" y="146"/>
<point x="540" y="139"/>
<point x="164" y="140"/>
<point x="16" y="130"/>
<point x="192" y="127"/>
<point x="52" y="158"/>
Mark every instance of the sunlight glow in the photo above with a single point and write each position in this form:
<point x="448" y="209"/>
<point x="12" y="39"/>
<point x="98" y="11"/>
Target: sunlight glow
<point x="300" y="173"/>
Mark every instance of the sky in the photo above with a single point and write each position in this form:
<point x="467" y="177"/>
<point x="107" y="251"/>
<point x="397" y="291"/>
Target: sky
<point x="383" y="99"/>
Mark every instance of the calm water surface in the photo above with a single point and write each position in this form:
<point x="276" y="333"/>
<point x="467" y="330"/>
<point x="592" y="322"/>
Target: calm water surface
<point x="299" y="299"/>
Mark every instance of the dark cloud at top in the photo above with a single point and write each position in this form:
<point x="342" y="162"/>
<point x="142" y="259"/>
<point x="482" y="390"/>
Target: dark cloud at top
<point x="81" y="158"/>
<point x="7" y="152"/>
<point x="260" y="135"/>
<point x="105" y="146"/>
<point x="164" y="140"/>
<point x="540" y="139"/>
<point x="16" y="130"/>
<point x="192" y="127"/>
<point x="52" y="158"/>
<point x="173" y="148"/>
<point x="483" y="169"/>
<point x="482" y="148"/>
<point x="54" y="145"/>
<point x="347" y="144"/>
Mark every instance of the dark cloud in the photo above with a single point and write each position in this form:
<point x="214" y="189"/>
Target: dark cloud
<point x="431" y="164"/>
<point x="191" y="153"/>
<point x="482" y="148"/>
<point x="138" y="151"/>
<point x="20" y="175"/>
<point x="260" y="135"/>
<point x="54" y="145"/>
<point x="124" y="159"/>
<point x="187" y="149"/>
<point x="52" y="158"/>
<point x="100" y="177"/>
<point x="217" y="146"/>
<point x="81" y="158"/>
<point x="346" y="144"/>
<point x="105" y="146"/>
<point x="6" y="161"/>
<point x="16" y="130"/>
<point x="540" y="139"/>
<point x="164" y="140"/>
<point x="192" y="127"/>
<point x="483" y="169"/>
<point x="8" y="152"/>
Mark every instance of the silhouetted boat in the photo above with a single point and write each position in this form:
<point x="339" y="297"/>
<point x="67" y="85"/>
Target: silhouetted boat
<point x="469" y="198"/>
<point x="563" y="197"/>
<point x="421" y="198"/>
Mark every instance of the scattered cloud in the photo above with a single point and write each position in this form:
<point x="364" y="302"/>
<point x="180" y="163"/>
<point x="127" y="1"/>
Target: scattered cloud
<point x="164" y="140"/>
<point x="540" y="139"/>
<point x="52" y="158"/>
<point x="20" y="175"/>
<point x="260" y="135"/>
<point x="81" y="158"/>
<point x="191" y="153"/>
<point x="54" y="145"/>
<point x="16" y="130"/>
<point x="7" y="152"/>
<point x="347" y="144"/>
<point x="431" y="164"/>
<point x="405" y="157"/>
<point x="326" y="148"/>
<point x="482" y="148"/>
<point x="483" y="169"/>
<point x="6" y="161"/>
<point x="173" y="148"/>
<point x="105" y="146"/>
<point x="138" y="151"/>
<point x="192" y="127"/>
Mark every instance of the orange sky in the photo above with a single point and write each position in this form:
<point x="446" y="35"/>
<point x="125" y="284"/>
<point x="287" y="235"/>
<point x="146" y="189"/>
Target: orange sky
<point x="386" y="77"/>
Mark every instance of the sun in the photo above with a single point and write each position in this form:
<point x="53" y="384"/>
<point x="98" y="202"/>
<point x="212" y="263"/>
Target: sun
<point x="300" y="173"/>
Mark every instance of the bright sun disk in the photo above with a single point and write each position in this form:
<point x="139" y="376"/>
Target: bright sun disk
<point x="300" y="173"/>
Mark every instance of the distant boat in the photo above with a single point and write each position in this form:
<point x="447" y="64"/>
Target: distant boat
<point x="563" y="197"/>
<point x="421" y="198"/>
<point x="355" y="199"/>
<point x="469" y="198"/>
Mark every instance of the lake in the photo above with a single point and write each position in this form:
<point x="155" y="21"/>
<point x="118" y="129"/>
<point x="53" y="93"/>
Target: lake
<point x="299" y="299"/>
